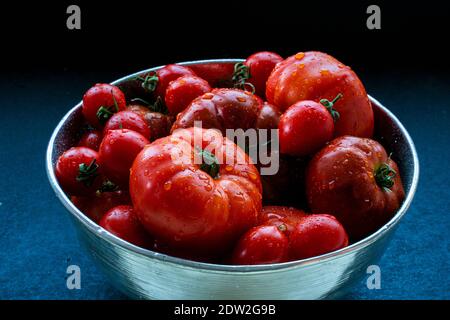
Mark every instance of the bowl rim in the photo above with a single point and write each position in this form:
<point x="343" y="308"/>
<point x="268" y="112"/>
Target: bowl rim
<point x="211" y="267"/>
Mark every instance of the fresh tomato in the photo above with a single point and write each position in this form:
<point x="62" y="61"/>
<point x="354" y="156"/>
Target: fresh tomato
<point x="181" y="91"/>
<point x="117" y="153"/>
<point x="218" y="75"/>
<point x="122" y="222"/>
<point x="158" y="122"/>
<point x="91" y="139"/>
<point x="195" y="190"/>
<point x="95" y="206"/>
<point x="255" y="71"/>
<point x="288" y="217"/>
<point x="158" y="81"/>
<point x="268" y="117"/>
<point x="100" y="102"/>
<point x="221" y="109"/>
<point x="262" y="245"/>
<point x="127" y="120"/>
<point x="77" y="170"/>
<point x="305" y="127"/>
<point x="316" y="234"/>
<point x="354" y="179"/>
<point x="316" y="75"/>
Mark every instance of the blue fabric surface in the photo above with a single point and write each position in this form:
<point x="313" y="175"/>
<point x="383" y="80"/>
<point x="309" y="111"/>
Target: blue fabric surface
<point x="38" y="241"/>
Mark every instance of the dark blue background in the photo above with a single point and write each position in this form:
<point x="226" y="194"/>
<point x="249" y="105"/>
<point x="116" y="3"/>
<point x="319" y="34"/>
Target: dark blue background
<point x="38" y="241"/>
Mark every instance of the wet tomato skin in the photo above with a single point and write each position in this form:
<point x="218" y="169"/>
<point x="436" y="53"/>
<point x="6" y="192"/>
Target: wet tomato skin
<point x="67" y="171"/>
<point x="123" y="222"/>
<point x="341" y="179"/>
<point x="181" y="91"/>
<point x="184" y="206"/>
<point x="117" y="153"/>
<point x="95" y="206"/>
<point x="158" y="122"/>
<point x="316" y="234"/>
<point x="218" y="75"/>
<point x="260" y="66"/>
<point x="280" y="215"/>
<point x="261" y="245"/>
<point x="91" y="139"/>
<point x="102" y="95"/>
<point x="305" y="127"/>
<point x="167" y="74"/>
<point x="127" y="120"/>
<point x="315" y="75"/>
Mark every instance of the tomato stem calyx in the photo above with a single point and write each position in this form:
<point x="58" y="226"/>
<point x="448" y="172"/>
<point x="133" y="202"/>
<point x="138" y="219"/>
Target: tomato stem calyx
<point x="150" y="82"/>
<point x="87" y="173"/>
<point x="210" y="164"/>
<point x="329" y="105"/>
<point x="384" y="176"/>
<point x="104" y="113"/>
<point x="240" y="76"/>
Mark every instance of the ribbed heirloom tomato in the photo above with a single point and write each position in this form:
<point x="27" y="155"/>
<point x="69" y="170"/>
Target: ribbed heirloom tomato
<point x="195" y="190"/>
<point x="314" y="76"/>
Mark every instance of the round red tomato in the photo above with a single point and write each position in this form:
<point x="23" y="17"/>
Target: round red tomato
<point x="181" y="91"/>
<point x="218" y="75"/>
<point x="100" y="102"/>
<point x="256" y="70"/>
<point x="128" y="120"/>
<point x="95" y="206"/>
<point x="354" y="180"/>
<point x="304" y="128"/>
<point x="122" y="222"/>
<point x="91" y="139"/>
<point x="158" y="122"/>
<point x="77" y="171"/>
<point x="279" y="216"/>
<point x="316" y="75"/>
<point x="117" y="153"/>
<point x="262" y="245"/>
<point x="195" y="190"/>
<point x="316" y="234"/>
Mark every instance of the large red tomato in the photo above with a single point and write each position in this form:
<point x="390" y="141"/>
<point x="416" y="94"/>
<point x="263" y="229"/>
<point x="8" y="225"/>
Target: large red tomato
<point x="355" y="180"/>
<point x="195" y="190"/>
<point x="314" y="76"/>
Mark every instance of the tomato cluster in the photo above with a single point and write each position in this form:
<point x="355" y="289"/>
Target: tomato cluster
<point x="145" y="172"/>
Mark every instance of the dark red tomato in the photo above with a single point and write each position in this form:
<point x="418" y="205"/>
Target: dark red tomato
<point x="355" y="180"/>
<point x="288" y="217"/>
<point x="167" y="74"/>
<point x="77" y="171"/>
<point x="262" y="245"/>
<point x="117" y="153"/>
<point x="188" y="198"/>
<point x="316" y="234"/>
<point x="259" y="65"/>
<point x="100" y="102"/>
<point x="316" y="75"/>
<point x="122" y="222"/>
<point x="305" y="127"/>
<point x="218" y="75"/>
<point x="91" y="139"/>
<point x="128" y="120"/>
<point x="180" y="92"/>
<point x="268" y="117"/>
<point x="158" y="123"/>
<point x="221" y="109"/>
<point x="95" y="206"/>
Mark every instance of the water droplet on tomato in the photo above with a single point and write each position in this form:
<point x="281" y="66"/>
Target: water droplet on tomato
<point x="167" y="185"/>
<point x="241" y="99"/>
<point x="299" y="56"/>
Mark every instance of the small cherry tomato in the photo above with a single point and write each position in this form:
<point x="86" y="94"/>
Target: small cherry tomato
<point x="91" y="139"/>
<point x="316" y="75"/>
<point x="127" y="120"/>
<point x="256" y="70"/>
<point x="95" y="206"/>
<point x="158" y="123"/>
<point x="316" y="234"/>
<point x="305" y="127"/>
<point x="268" y="117"/>
<point x="117" y="152"/>
<point x="181" y="91"/>
<point x="356" y="181"/>
<point x="77" y="170"/>
<point x="262" y="245"/>
<point x="122" y="222"/>
<point x="100" y="102"/>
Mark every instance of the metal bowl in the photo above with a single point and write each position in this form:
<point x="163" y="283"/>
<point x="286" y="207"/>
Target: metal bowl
<point x="141" y="273"/>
